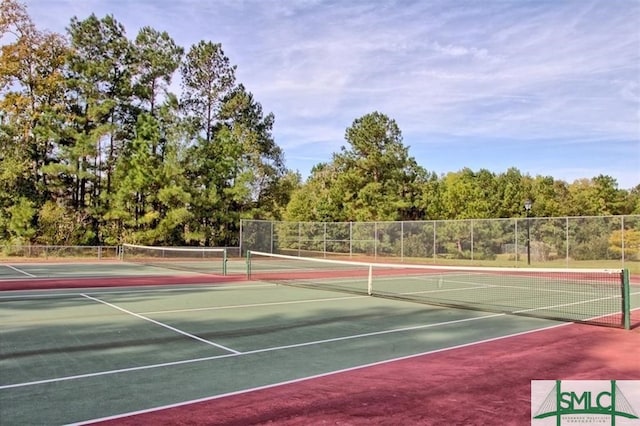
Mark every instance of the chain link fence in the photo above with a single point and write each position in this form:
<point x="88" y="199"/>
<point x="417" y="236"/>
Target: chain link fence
<point x="47" y="252"/>
<point x="599" y="241"/>
<point x="84" y="253"/>
<point x="596" y="241"/>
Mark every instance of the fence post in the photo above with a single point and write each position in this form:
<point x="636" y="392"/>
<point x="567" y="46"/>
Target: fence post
<point x="324" y="241"/>
<point x="375" y="240"/>
<point x="350" y="239"/>
<point x="622" y="239"/>
<point x="516" y="240"/>
<point x="402" y="241"/>
<point x="240" y="237"/>
<point x="271" y="237"/>
<point x="471" y="239"/>
<point x="566" y="256"/>
<point x="435" y="255"/>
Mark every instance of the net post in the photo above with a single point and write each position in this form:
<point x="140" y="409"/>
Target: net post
<point x="626" y="300"/>
<point x="248" y="256"/>
<point x="370" y="281"/>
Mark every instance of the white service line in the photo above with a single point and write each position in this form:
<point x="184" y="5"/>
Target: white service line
<point x="447" y="281"/>
<point x="308" y="378"/>
<point x="184" y="333"/>
<point x="103" y="290"/>
<point x="120" y="370"/>
<point x="253" y="305"/>
<point x="256" y="351"/>
<point x="541" y="308"/>
<point x="374" y="333"/>
<point x="21" y="271"/>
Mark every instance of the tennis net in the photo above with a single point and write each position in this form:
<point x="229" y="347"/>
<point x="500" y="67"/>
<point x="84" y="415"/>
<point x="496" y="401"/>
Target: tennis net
<point x="593" y="296"/>
<point x="194" y="259"/>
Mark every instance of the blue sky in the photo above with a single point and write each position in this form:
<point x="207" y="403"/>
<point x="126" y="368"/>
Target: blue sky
<point x="549" y="87"/>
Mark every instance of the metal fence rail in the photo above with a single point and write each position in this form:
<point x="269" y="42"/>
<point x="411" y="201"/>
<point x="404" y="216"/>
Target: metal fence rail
<point x="45" y="252"/>
<point x="559" y="241"/>
<point x="67" y="252"/>
<point x="598" y="241"/>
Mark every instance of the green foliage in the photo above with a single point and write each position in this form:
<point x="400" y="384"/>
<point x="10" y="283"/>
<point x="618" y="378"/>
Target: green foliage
<point x="156" y="58"/>
<point x="590" y="239"/>
<point x="207" y="77"/>
<point x="470" y="195"/>
<point x="374" y="179"/>
<point x="58" y="225"/>
<point x="630" y="245"/>
<point x="19" y="219"/>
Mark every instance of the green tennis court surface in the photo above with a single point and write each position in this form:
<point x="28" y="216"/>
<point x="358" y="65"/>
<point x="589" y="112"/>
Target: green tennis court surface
<point x="595" y="296"/>
<point x="95" y="269"/>
<point x="76" y="355"/>
<point x="72" y="357"/>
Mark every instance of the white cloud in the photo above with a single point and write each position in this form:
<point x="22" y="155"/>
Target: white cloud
<point x="466" y="70"/>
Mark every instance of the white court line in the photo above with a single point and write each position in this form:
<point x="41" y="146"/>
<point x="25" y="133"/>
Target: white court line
<point x="23" y="294"/>
<point x="184" y="333"/>
<point x="447" y="280"/>
<point x="236" y="354"/>
<point x="445" y="290"/>
<point x="618" y="296"/>
<point x="375" y="333"/>
<point x="524" y="287"/>
<point x="568" y="304"/>
<point x="479" y="286"/>
<point x="476" y="286"/>
<point x="289" y="302"/>
<point x="21" y="271"/>
<point x="316" y="376"/>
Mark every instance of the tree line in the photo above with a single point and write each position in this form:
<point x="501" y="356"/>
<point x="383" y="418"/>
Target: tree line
<point x="95" y="148"/>
<point x="374" y="178"/>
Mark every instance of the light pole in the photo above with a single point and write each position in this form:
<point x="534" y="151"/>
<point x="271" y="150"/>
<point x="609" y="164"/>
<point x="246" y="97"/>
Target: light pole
<point x="527" y="209"/>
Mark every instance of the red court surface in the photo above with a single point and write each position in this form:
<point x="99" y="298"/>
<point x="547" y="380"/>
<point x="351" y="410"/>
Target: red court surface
<point x="483" y="384"/>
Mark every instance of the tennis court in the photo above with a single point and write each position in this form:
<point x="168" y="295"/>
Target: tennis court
<point x="118" y="345"/>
